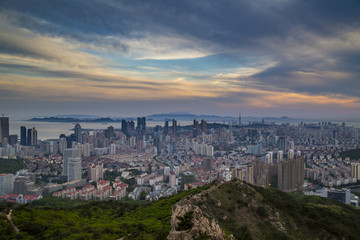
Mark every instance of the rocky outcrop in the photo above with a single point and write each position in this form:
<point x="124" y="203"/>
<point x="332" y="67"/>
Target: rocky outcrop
<point x="185" y="210"/>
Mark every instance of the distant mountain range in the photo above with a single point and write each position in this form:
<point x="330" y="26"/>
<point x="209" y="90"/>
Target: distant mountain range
<point x="163" y="117"/>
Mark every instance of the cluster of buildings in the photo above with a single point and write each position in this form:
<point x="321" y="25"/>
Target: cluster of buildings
<point x="162" y="160"/>
<point x="102" y="191"/>
<point x="12" y="190"/>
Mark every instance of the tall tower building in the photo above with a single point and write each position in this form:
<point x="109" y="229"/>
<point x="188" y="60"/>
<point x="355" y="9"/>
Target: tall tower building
<point x="203" y="126"/>
<point x="239" y="119"/>
<point x="32" y="139"/>
<point x="355" y="170"/>
<point x="95" y="172"/>
<point x="141" y="123"/>
<point x="291" y="173"/>
<point x="23" y="135"/>
<point x="195" y="128"/>
<point x="6" y="183"/>
<point x="174" y="125"/>
<point x="124" y="126"/>
<point x="269" y="158"/>
<point x="74" y="169"/>
<point x="4" y="128"/>
<point x="166" y="127"/>
<point x="250" y="174"/>
<point x="78" y="134"/>
<point x="282" y="144"/>
<point x="67" y="154"/>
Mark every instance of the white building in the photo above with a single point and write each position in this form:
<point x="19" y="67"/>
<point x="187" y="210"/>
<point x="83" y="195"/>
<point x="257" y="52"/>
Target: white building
<point x="69" y="153"/>
<point x="6" y="183"/>
<point x="74" y="169"/>
<point x="112" y="149"/>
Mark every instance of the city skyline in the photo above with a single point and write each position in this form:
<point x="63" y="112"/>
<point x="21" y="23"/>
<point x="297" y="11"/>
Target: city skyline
<point x="116" y="58"/>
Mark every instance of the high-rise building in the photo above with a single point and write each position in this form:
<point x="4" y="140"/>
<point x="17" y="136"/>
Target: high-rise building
<point x="172" y="180"/>
<point x="78" y="134"/>
<point x="23" y="135"/>
<point x="74" y="169"/>
<point x="166" y="171"/>
<point x="291" y="173"/>
<point x="269" y="158"/>
<point x="141" y="123"/>
<point x="69" y="153"/>
<point x="4" y="128"/>
<point x="282" y="144"/>
<point x="280" y="156"/>
<point x="291" y="153"/>
<point x="32" y="139"/>
<point x="292" y="145"/>
<point x="124" y="126"/>
<point x="110" y="133"/>
<point x="6" y="183"/>
<point x="355" y="170"/>
<point x="196" y="128"/>
<point x="203" y="126"/>
<point x="174" y="125"/>
<point x="13" y="139"/>
<point x="250" y="174"/>
<point x="95" y="172"/>
<point x="112" y="149"/>
<point x="166" y="127"/>
<point x="131" y="125"/>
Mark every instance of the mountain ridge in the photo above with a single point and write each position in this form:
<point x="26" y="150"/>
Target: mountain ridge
<point x="230" y="210"/>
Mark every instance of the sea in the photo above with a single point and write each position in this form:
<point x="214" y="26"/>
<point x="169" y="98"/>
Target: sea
<point x="52" y="130"/>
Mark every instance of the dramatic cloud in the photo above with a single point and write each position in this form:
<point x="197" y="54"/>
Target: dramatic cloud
<point x="265" y="57"/>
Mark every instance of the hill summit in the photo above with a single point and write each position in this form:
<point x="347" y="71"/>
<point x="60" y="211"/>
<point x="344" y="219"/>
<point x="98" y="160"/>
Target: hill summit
<point x="237" y="210"/>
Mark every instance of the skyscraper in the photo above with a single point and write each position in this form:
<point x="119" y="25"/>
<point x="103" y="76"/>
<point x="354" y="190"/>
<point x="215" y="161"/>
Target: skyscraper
<point x="250" y="174"/>
<point x="4" y="128"/>
<point x="291" y="173"/>
<point x="78" y="134"/>
<point x="280" y="156"/>
<point x="166" y="127"/>
<point x="109" y="132"/>
<point x="203" y="126"/>
<point x="74" y="169"/>
<point x="6" y="183"/>
<point x="69" y="153"/>
<point x="32" y="139"/>
<point x="141" y="123"/>
<point x="196" y="128"/>
<point x="23" y="135"/>
<point x="355" y="170"/>
<point x="95" y="172"/>
<point x="124" y="126"/>
<point x="174" y="124"/>
<point x="282" y="144"/>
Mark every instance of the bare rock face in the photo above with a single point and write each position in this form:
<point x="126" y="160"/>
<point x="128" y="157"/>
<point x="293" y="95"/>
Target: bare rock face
<point x="200" y="224"/>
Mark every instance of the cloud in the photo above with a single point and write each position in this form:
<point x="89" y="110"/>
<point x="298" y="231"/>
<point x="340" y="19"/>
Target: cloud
<point x="259" y="54"/>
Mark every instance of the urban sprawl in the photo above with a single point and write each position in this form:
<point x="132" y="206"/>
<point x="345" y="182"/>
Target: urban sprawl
<point x="146" y="163"/>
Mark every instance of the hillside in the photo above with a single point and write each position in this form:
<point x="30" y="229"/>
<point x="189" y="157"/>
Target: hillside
<point x="233" y="210"/>
<point x="237" y="210"/>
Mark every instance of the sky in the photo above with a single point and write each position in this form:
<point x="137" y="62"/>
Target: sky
<point x="133" y="58"/>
